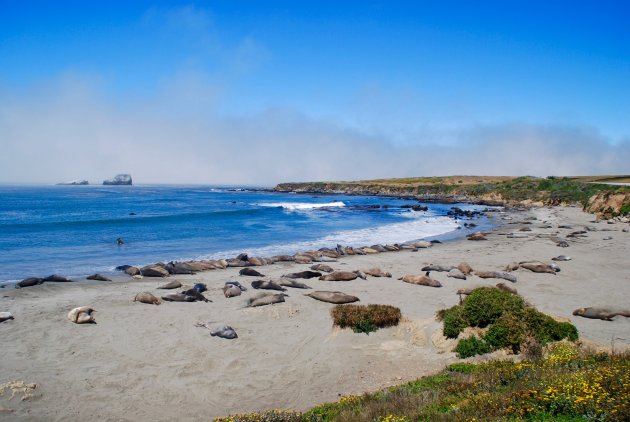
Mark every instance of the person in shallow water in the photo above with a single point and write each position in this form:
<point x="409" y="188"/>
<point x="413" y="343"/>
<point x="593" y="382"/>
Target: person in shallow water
<point x="119" y="241"/>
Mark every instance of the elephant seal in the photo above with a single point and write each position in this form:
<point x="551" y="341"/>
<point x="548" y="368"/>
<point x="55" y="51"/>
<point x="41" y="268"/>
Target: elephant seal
<point x="131" y="270"/>
<point x="154" y="271"/>
<point x="339" y="276"/>
<point x="303" y="259"/>
<point x="496" y="274"/>
<point x="200" y="287"/>
<point x="435" y="267"/>
<point x="98" y="277"/>
<point x="289" y="282"/>
<point x="537" y="267"/>
<point x="455" y="273"/>
<point x="563" y="244"/>
<point x="333" y="297"/>
<point x="250" y="272"/>
<point x="477" y="236"/>
<point x="230" y="290"/>
<point x="303" y="274"/>
<point x="322" y="267"/>
<point x="82" y="315"/>
<point x="177" y="297"/>
<point x="263" y="299"/>
<point x="57" y="279"/>
<point x="171" y="285"/>
<point x="5" y="316"/>
<point x="512" y="266"/>
<point x="377" y="272"/>
<point x="421" y="280"/>
<point x="605" y="314"/>
<point x="237" y="284"/>
<point x="465" y="268"/>
<point x="196" y="294"/>
<point x="29" y="282"/>
<point x="146" y="297"/>
<point x="506" y="288"/>
<point x="267" y="285"/>
<point x="224" y="331"/>
<point x="561" y="258"/>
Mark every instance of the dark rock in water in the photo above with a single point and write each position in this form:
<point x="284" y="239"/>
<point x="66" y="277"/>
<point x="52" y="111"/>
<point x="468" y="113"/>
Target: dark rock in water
<point x="119" y="179"/>
<point x="29" y="282"/>
<point x="74" y="183"/>
<point x="132" y="213"/>
<point x="122" y="267"/>
<point x="98" y="277"/>
<point x="57" y="278"/>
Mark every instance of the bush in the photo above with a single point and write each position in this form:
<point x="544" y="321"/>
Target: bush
<point x="508" y="331"/>
<point x="471" y="346"/>
<point x="365" y="318"/>
<point x="545" y="329"/>
<point x="454" y="321"/>
<point x="486" y="304"/>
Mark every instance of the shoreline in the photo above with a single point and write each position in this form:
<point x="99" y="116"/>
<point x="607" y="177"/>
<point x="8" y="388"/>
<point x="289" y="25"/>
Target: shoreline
<point x="282" y="358"/>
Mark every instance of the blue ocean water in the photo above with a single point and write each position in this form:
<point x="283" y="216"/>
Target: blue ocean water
<point x="72" y="230"/>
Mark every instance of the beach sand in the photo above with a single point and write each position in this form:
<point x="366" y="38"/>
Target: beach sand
<point x="147" y="362"/>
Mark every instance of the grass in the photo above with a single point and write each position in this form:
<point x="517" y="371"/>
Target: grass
<point x="365" y="318"/>
<point x="566" y="384"/>
<point x="510" y="321"/>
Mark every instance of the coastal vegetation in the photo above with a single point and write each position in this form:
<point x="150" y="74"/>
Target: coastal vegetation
<point x="596" y="194"/>
<point x="365" y="318"/>
<point x="510" y="323"/>
<point x="564" y="383"/>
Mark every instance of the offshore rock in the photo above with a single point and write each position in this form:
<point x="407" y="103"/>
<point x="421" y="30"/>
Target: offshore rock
<point x="120" y="179"/>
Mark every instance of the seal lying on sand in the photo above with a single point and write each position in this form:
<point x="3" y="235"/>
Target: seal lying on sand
<point x="97" y="277"/>
<point x="339" y="276"/>
<point x="237" y="284"/>
<point x="250" y="272"/>
<point x="171" y="285"/>
<point x="606" y="314"/>
<point x="5" y="316"/>
<point x="267" y="285"/>
<point x="287" y="282"/>
<point x="506" y="288"/>
<point x="496" y="274"/>
<point x="435" y="267"/>
<point x="146" y="297"/>
<point x="377" y="272"/>
<point x="57" y="279"/>
<point x="333" y="297"/>
<point x="455" y="273"/>
<point x="200" y="287"/>
<point x="477" y="236"/>
<point x="82" y="315"/>
<point x="224" y="331"/>
<point x="465" y="268"/>
<point x="262" y="299"/>
<point x="537" y="267"/>
<point x="421" y="280"/>
<point x="322" y="267"/>
<point x="177" y="297"/>
<point x="303" y="274"/>
<point x="561" y="258"/>
<point x="29" y="282"/>
<point x="195" y="294"/>
<point x="230" y="290"/>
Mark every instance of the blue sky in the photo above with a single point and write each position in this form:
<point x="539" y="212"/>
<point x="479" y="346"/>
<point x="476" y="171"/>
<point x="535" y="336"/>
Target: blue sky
<point x="398" y="80"/>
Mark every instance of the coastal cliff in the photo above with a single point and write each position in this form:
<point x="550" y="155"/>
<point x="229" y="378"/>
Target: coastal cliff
<point x="593" y="196"/>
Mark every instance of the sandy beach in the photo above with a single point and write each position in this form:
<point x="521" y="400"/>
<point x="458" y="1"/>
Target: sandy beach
<point x="146" y="362"/>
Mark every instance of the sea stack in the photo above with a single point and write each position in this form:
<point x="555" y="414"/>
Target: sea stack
<point x="120" y="179"/>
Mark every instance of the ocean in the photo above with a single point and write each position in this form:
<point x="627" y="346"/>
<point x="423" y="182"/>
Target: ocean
<point x="72" y="230"/>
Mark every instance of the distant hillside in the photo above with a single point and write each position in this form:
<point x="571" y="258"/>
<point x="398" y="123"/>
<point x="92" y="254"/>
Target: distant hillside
<point x="593" y="193"/>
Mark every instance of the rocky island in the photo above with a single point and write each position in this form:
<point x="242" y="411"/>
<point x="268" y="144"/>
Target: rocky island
<point x="120" y="179"/>
<point x="74" y="183"/>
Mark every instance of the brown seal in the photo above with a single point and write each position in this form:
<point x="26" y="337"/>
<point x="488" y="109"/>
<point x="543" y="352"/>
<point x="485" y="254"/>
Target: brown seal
<point x="82" y="315"/>
<point x="263" y="299"/>
<point x="421" y="280"/>
<point x="267" y="285"/>
<point x="506" y="288"/>
<point x="377" y="272"/>
<point x="289" y="282"/>
<point x="465" y="268"/>
<point x="496" y="274"/>
<point x="339" y="276"/>
<point x="333" y="297"/>
<point x="322" y="267"/>
<point x="146" y="297"/>
<point x="171" y="285"/>
<point x="606" y="314"/>
<point x="230" y="290"/>
<point x="537" y="267"/>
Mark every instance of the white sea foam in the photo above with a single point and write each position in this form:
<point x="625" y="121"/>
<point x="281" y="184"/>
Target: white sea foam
<point x="389" y="233"/>
<point x="302" y="205"/>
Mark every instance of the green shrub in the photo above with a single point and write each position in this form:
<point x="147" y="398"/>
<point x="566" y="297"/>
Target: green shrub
<point x="508" y="331"/>
<point x="365" y="318"/>
<point x="471" y="346"/>
<point x="545" y="329"/>
<point x="486" y="304"/>
<point x="454" y="321"/>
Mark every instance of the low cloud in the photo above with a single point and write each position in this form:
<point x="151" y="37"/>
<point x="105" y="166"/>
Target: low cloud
<point x="69" y="129"/>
